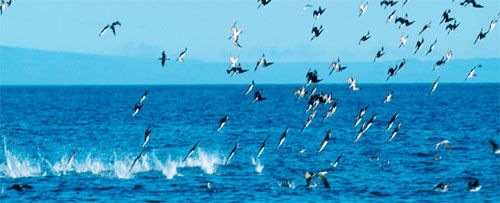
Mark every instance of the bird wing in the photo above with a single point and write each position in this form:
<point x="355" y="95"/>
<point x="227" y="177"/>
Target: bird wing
<point x="103" y="30"/>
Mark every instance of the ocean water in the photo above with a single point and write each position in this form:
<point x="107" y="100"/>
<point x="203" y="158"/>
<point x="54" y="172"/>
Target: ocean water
<point x="42" y="125"/>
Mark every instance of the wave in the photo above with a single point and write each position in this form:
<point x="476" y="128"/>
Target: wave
<point x="16" y="166"/>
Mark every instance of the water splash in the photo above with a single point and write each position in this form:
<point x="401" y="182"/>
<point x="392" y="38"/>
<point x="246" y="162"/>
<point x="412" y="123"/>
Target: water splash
<point x="15" y="167"/>
<point x="258" y="166"/>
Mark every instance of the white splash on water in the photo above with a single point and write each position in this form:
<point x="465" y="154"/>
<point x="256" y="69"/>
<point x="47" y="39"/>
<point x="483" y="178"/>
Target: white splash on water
<point x="258" y="166"/>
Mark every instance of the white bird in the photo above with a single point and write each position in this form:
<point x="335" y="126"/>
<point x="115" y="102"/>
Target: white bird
<point x="234" y="61"/>
<point x="4" y="4"/>
<point x="434" y="86"/>
<point x="181" y="55"/>
<point x="492" y="24"/>
<point x="393" y="134"/>
<point x="472" y="72"/>
<point x="445" y="143"/>
<point x="403" y="40"/>
<point x="250" y="87"/>
<point x="352" y="82"/>
<point x="362" y="8"/>
<point x="325" y="140"/>
<point x="236" y="34"/>
<point x="388" y="98"/>
<point x="305" y="7"/>
<point x="390" y="17"/>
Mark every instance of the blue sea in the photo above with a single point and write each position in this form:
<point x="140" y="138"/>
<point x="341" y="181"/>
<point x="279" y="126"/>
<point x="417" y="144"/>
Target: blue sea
<point x="42" y="125"/>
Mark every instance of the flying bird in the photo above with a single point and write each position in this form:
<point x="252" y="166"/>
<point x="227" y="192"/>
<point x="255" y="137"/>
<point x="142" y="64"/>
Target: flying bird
<point x="236" y="35"/>
<point x="390" y="17"/>
<point x="336" y="66"/>
<point x="362" y="8"/>
<point x="336" y="162"/>
<point x="481" y="36"/>
<point x="331" y="110"/>
<point x="147" y="133"/>
<point x="388" y="98"/>
<point x="163" y="58"/>
<point x="250" y="87"/>
<point x="446" y="17"/>
<point x="312" y="77"/>
<point x="393" y="134"/>
<point x="137" y="108"/>
<point x="318" y="13"/>
<point x="191" y="151"/>
<point x="403" y="40"/>
<point x="472" y="72"/>
<point x="360" y="116"/>
<point x="143" y="97"/>
<point x="473" y="2"/>
<point x="364" y="38"/>
<point x="403" y="21"/>
<point x="391" y="122"/>
<point x="426" y="27"/>
<point x="112" y="26"/>
<point x="262" y="147"/>
<point x="262" y="62"/>
<point x="452" y="26"/>
<point x="316" y="31"/>
<point x="4" y="5"/>
<point x="386" y="3"/>
<point x="325" y="140"/>
<point x="282" y="139"/>
<point x="445" y="143"/>
<point x="181" y="55"/>
<point x="432" y="47"/>
<point x="263" y="2"/>
<point x="352" y="81"/>
<point x="257" y="96"/>
<point x="418" y="45"/>
<point x="434" y="86"/>
<point x="305" y="7"/>
<point x="222" y="122"/>
<point x="135" y="160"/>
<point x="232" y="153"/>
<point x="379" y="54"/>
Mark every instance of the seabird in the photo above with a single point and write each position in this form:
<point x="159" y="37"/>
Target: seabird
<point x="427" y="26"/>
<point x="325" y="140"/>
<point x="434" y="86"/>
<point x="232" y="153"/>
<point x="492" y="24"/>
<point x="318" y="13"/>
<point x="370" y="122"/>
<point x="236" y="70"/>
<point x="71" y="158"/>
<point x="283" y="136"/>
<point x="406" y="1"/>
<point x="390" y="17"/>
<point x="403" y="40"/>
<point x="388" y="98"/>
<point x="403" y="21"/>
<point x="20" y="187"/>
<point x="419" y="45"/>
<point x="137" y="108"/>
<point x="442" y="187"/>
<point x="300" y="92"/>
<point x="451" y="27"/>
<point x="443" y="60"/>
<point x="481" y="36"/>
<point x="473" y="2"/>
<point x="135" y="160"/>
<point x="360" y="132"/>
<point x="391" y="72"/>
<point x="4" y="5"/>
<point x="143" y="97"/>
<point x="316" y="31"/>
<point x="391" y="122"/>
<point x="236" y="34"/>
<point x="112" y="26"/>
<point x="309" y="176"/>
<point x="445" y="143"/>
<point x="250" y="87"/>
<point x="393" y="134"/>
<point x="262" y="62"/>
<point x="446" y="17"/>
<point x="336" y="66"/>
<point x="496" y="149"/>
<point x="222" y="122"/>
<point x="386" y="3"/>
<point x="257" y="96"/>
<point x="234" y="61"/>
<point x="262" y="147"/>
<point x="309" y="119"/>
<point x="305" y="7"/>
<point x="181" y="55"/>
<point x="364" y="38"/>
<point x="163" y="58"/>
<point x="146" y="136"/>
<point x="379" y="54"/>
<point x="471" y="72"/>
<point x="352" y="82"/>
<point x="312" y="77"/>
<point x="331" y="110"/>
<point x="191" y="151"/>
<point x="474" y="185"/>
<point x="362" y="8"/>
<point x="360" y="116"/>
<point x="431" y="48"/>
<point x="336" y="162"/>
<point x="263" y="2"/>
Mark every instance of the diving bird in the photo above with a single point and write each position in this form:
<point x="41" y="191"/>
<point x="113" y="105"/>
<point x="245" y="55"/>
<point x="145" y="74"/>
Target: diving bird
<point x="318" y="13"/>
<point x="191" y="151"/>
<point x="336" y="66"/>
<point x="309" y="176"/>
<point x="163" y="58"/>
<point x="390" y="17"/>
<point x="257" y="96"/>
<point x="262" y="147"/>
<point x="360" y="116"/>
<point x="472" y="73"/>
<point x="495" y="148"/>
<point x="236" y="70"/>
<point x="309" y="119"/>
<point x="71" y="158"/>
<point x="406" y="1"/>
<point x="282" y="139"/>
<point x="446" y="17"/>
<point x="401" y="65"/>
<point x="352" y="81"/>
<point x="236" y="34"/>
<point x="369" y="123"/>
<point x="232" y="153"/>
<point x="379" y="54"/>
<point x="445" y="143"/>
<point x="147" y="133"/>
<point x="135" y="160"/>
<point x="434" y="86"/>
<point x="336" y="162"/>
<point x="4" y="5"/>
<point x="331" y="110"/>
<point x="362" y="8"/>
<point x="403" y="21"/>
<point x="403" y="40"/>
<point x="312" y="77"/>
<point x="391" y="72"/>
<point x="234" y="61"/>
<point x="305" y="7"/>
<point x="492" y="24"/>
<point x="393" y="134"/>
<point x="452" y="26"/>
<point x="418" y="45"/>
<point x="112" y="26"/>
<point x="391" y="122"/>
<point x="388" y="98"/>
<point x="443" y="60"/>
<point x="480" y="36"/>
<point x="137" y="108"/>
<point x="426" y="27"/>
<point x="432" y="47"/>
<point x="250" y="87"/>
<point x="474" y="185"/>
<point x="263" y="2"/>
<point x="364" y="38"/>
<point x="222" y="122"/>
<point x="143" y="97"/>
<point x="181" y="55"/>
<point x="316" y="31"/>
<point x="262" y="62"/>
<point x="325" y="140"/>
<point x="388" y="3"/>
<point x="473" y="2"/>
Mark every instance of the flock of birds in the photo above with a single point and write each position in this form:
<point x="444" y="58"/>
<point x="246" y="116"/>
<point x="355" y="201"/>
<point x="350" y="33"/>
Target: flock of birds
<point x="315" y="98"/>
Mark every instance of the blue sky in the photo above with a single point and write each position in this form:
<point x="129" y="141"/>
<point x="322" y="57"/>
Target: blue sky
<point x="279" y="29"/>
